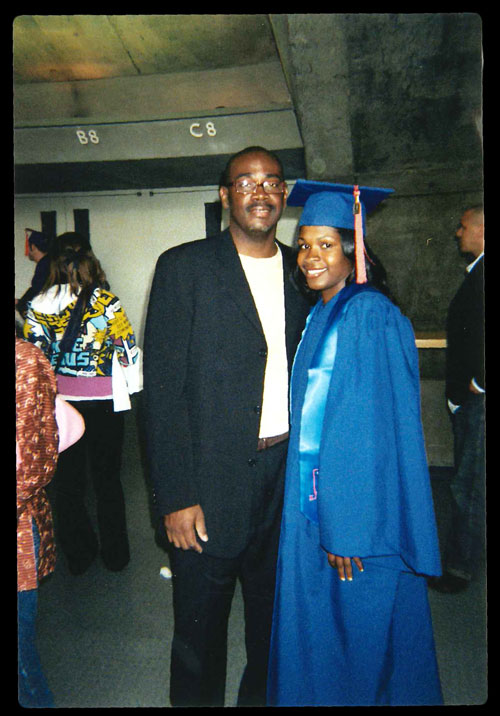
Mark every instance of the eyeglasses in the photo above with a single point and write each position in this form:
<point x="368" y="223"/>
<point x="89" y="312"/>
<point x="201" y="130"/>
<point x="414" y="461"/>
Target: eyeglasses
<point x="248" y="186"/>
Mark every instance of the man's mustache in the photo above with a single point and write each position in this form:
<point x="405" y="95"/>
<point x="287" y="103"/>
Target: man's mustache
<point x="260" y="205"/>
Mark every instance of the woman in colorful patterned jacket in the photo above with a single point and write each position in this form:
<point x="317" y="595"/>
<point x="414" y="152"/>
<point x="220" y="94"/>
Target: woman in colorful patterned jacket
<point x="84" y="331"/>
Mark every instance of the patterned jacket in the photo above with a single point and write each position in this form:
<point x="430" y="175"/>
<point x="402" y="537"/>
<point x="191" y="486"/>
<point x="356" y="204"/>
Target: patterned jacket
<point x="37" y="443"/>
<point x="105" y="329"/>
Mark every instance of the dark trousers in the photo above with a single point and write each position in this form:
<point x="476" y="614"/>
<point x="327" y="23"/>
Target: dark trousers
<point x="466" y="543"/>
<point x="203" y="589"/>
<point x="99" y="452"/>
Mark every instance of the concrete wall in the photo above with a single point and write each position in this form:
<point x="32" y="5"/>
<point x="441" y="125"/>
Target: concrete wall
<point x="394" y="100"/>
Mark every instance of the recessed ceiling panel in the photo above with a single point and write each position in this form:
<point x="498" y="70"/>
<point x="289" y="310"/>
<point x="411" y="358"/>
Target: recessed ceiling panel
<point x="63" y="48"/>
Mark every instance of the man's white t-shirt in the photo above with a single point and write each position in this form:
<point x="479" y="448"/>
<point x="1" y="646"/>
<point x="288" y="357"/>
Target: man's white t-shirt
<point x="265" y="278"/>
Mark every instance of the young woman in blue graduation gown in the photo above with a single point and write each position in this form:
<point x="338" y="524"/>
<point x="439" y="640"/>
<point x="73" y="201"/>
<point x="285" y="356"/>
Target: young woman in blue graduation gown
<point x="352" y="624"/>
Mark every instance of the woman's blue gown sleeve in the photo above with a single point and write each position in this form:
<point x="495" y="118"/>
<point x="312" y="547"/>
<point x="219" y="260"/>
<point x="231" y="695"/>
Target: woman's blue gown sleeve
<point x="373" y="474"/>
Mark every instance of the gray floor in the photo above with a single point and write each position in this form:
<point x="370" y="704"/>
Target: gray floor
<point x="104" y="638"/>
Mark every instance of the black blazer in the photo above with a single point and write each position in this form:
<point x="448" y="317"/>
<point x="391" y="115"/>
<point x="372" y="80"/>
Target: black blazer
<point x="465" y="336"/>
<point x="204" y="361"/>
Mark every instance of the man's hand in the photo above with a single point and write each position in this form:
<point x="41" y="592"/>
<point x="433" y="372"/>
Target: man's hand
<point x="184" y="526"/>
<point x="343" y="565"/>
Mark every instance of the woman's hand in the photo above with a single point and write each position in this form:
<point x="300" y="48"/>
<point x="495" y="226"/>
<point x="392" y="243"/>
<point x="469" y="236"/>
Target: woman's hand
<point x="343" y="565"/>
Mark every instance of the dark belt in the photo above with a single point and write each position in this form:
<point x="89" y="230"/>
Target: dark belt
<point x="265" y="443"/>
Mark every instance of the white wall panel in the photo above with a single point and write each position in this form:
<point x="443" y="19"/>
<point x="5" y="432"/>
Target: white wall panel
<point x="128" y="233"/>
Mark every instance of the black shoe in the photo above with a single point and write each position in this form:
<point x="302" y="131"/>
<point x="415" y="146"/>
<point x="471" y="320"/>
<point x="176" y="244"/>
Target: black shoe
<point x="116" y="562"/>
<point x="80" y="565"/>
<point x="448" y="584"/>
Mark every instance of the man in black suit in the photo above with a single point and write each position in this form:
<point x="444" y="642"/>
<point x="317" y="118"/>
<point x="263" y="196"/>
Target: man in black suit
<point x="465" y="391"/>
<point x="224" y="321"/>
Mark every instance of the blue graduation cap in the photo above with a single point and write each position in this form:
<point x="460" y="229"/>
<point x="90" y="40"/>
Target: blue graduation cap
<point x="342" y="206"/>
<point x="327" y="204"/>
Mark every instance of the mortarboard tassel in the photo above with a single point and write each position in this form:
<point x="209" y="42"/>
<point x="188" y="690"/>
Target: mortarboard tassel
<point x="359" y="246"/>
<point x="26" y="243"/>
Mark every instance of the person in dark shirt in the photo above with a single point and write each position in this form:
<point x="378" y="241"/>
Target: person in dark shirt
<point x="38" y="247"/>
<point x="465" y="392"/>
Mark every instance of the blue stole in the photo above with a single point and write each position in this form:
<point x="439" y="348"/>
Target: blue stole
<point x="313" y="408"/>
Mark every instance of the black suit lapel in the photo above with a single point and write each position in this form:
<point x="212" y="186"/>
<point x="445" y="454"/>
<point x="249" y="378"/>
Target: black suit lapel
<point x="294" y="303"/>
<point x="232" y="276"/>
